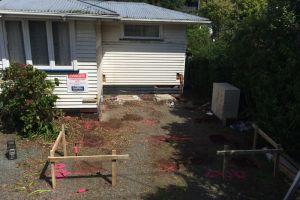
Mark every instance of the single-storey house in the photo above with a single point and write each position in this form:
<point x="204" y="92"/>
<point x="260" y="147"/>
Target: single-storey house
<point x="89" y="45"/>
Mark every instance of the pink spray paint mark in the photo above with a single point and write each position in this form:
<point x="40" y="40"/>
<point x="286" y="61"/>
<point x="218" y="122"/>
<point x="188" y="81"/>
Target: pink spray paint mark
<point x="212" y="173"/>
<point x="67" y="118"/>
<point x="237" y="174"/>
<point x="82" y="190"/>
<point x="231" y="174"/>
<point x="150" y="122"/>
<point x="60" y="171"/>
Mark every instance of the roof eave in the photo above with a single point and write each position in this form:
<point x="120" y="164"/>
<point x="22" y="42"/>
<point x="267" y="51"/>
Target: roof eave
<point x="167" y="21"/>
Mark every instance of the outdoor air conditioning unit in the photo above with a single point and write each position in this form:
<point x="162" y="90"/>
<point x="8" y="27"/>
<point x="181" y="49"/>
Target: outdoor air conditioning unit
<point x="225" y="101"/>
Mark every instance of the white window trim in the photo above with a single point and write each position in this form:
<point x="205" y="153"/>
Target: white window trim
<point x="50" y="45"/>
<point x="160" y="37"/>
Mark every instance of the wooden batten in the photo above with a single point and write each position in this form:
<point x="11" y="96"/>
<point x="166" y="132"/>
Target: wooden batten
<point x="94" y="157"/>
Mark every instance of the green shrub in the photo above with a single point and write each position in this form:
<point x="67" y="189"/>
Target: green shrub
<point x="27" y="102"/>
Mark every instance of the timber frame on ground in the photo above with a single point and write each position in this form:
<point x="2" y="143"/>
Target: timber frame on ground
<point x="62" y="138"/>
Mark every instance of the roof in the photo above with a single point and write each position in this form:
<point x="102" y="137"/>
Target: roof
<point x="126" y="11"/>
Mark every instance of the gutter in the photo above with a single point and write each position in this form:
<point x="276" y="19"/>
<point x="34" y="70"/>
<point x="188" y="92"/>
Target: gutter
<point x="168" y="20"/>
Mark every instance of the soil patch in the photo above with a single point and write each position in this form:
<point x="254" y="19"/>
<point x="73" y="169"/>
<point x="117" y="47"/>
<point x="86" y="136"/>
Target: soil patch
<point x="244" y="162"/>
<point x="112" y="124"/>
<point x="205" y="119"/>
<point x="92" y="140"/>
<point x="219" y="139"/>
<point x="132" y="117"/>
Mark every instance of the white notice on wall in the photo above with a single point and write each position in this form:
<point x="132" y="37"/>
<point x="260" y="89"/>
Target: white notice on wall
<point x="77" y="82"/>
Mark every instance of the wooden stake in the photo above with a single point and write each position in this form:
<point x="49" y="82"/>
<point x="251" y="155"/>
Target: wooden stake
<point x="255" y="138"/>
<point x="64" y="139"/>
<point x="225" y="157"/>
<point x="114" y="170"/>
<point x="276" y="160"/>
<point x="53" y="178"/>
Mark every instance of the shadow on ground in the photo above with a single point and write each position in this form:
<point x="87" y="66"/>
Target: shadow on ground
<point x="196" y="141"/>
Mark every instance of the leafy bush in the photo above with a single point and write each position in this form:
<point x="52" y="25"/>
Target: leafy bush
<point x="268" y="72"/>
<point x="27" y="101"/>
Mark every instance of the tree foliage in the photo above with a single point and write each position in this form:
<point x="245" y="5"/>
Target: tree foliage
<point x="260" y="54"/>
<point x="266" y="67"/>
<point x="27" y="101"/>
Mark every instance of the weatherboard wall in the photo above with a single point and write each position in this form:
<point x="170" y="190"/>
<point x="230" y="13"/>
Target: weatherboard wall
<point x="85" y="32"/>
<point x="138" y="62"/>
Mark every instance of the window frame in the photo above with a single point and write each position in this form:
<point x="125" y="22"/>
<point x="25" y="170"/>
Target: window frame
<point x="160" y="33"/>
<point x="50" y="44"/>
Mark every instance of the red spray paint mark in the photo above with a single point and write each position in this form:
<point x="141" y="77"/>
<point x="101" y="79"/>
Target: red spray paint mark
<point x="237" y="174"/>
<point x="167" y="166"/>
<point x="76" y="149"/>
<point x="158" y="139"/>
<point x="67" y="118"/>
<point x="60" y="171"/>
<point x="82" y="190"/>
<point x="150" y="122"/>
<point x="231" y="174"/>
<point x="90" y="125"/>
<point x="179" y="138"/>
<point x="213" y="174"/>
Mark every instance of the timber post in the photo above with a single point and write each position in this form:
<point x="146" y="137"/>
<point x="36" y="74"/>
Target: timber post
<point x="255" y="137"/>
<point x="225" y="161"/>
<point x="64" y="142"/>
<point x="276" y="160"/>
<point x="114" y="170"/>
<point x="53" y="177"/>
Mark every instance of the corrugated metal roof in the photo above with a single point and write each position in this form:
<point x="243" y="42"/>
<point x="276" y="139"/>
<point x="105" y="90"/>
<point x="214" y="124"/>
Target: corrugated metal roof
<point x="121" y="10"/>
<point x="134" y="10"/>
<point x="53" y="6"/>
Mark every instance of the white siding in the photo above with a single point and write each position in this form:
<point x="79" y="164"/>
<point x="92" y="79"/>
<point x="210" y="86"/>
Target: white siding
<point x="86" y="58"/>
<point x="143" y="62"/>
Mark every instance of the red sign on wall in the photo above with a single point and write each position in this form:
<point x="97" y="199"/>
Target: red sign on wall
<point x="77" y="83"/>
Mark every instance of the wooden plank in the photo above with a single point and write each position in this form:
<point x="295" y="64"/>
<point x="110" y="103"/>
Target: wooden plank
<point x="94" y="157"/>
<point x="265" y="136"/>
<point x="114" y="170"/>
<point x="254" y="138"/>
<point x="276" y="160"/>
<point x="295" y="185"/>
<point x="291" y="161"/>
<point x="256" y="151"/>
<point x="64" y="139"/>
<point x="225" y="161"/>
<point x="53" y="178"/>
<point x="56" y="143"/>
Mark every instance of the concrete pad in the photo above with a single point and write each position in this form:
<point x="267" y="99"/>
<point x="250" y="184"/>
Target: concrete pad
<point x="124" y="98"/>
<point x="164" y="97"/>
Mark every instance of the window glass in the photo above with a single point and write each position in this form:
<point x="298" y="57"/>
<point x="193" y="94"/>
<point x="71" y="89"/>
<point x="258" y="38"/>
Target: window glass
<point x="15" y="42"/>
<point x="61" y="41"/>
<point x="38" y="42"/>
<point x="146" y="31"/>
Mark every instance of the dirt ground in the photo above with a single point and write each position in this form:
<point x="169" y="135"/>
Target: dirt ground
<point x="172" y="156"/>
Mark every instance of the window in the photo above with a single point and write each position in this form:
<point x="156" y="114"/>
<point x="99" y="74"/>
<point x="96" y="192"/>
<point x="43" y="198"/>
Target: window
<point x="46" y="44"/>
<point x="38" y="42"/>
<point x="61" y="41"/>
<point x="142" y="31"/>
<point x="15" y="42"/>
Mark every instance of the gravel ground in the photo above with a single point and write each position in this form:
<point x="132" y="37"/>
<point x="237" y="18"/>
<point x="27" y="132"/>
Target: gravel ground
<point x="159" y="168"/>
